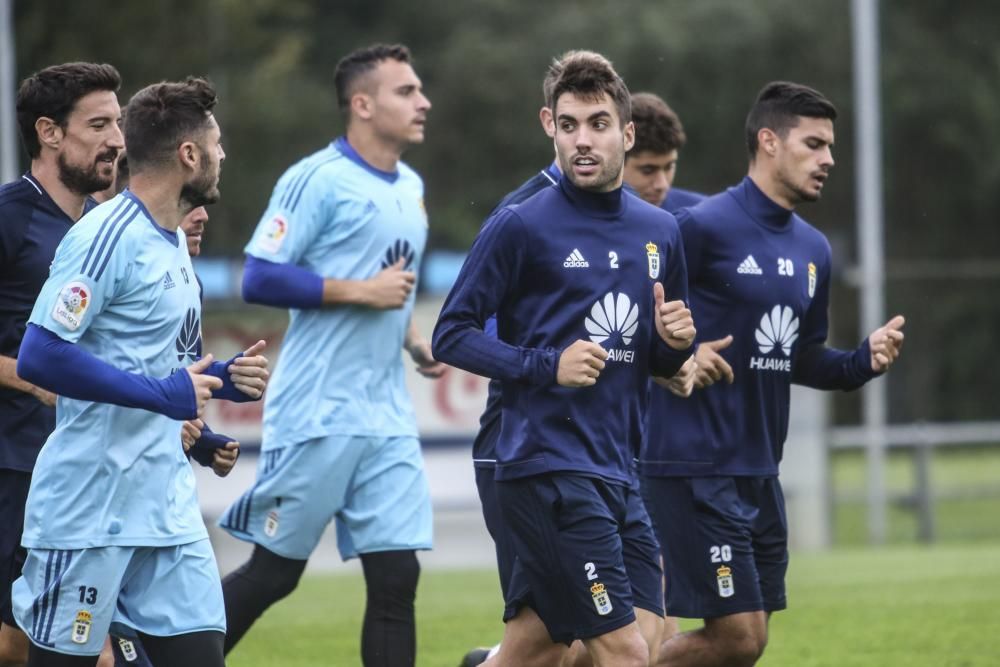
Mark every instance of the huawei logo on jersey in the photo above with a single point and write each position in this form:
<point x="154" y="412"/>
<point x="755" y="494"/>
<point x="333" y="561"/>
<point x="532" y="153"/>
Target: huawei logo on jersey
<point x="189" y="339"/>
<point x="778" y="329"/>
<point x="610" y="316"/>
<point x="401" y="249"/>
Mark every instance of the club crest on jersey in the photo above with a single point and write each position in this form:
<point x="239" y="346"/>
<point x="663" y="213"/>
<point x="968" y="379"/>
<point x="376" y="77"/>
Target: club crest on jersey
<point x="812" y="280"/>
<point x="724" y="576"/>
<point x="271" y="523"/>
<point x="128" y="650"/>
<point x="274" y="235"/>
<point x="601" y="599"/>
<point x="653" y="260"/>
<point x="423" y="210"/>
<point x="71" y="305"/>
<point x="81" y="627"/>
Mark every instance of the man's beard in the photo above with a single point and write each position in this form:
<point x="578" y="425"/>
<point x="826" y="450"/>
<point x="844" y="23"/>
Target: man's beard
<point x="202" y="191"/>
<point x="84" y="181"/>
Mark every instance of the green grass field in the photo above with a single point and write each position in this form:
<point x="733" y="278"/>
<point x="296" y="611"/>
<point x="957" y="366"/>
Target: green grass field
<point x="902" y="606"/>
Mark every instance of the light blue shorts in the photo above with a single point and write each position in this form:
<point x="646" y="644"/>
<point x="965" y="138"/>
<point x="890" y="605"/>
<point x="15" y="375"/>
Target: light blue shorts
<point x="375" y="489"/>
<point x="67" y="601"/>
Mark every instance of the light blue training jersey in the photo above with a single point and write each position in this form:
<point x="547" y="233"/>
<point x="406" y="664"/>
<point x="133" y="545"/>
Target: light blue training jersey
<point x="341" y="368"/>
<point x="123" y="289"/>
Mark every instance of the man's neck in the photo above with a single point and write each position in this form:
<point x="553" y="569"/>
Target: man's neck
<point x="376" y="152"/>
<point x="769" y="185"/>
<point x="47" y="175"/>
<point x="161" y="198"/>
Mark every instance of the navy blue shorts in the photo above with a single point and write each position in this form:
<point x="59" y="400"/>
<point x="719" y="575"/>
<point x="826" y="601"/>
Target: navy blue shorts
<point x="506" y="557"/>
<point x="725" y="543"/>
<point x="572" y="535"/>
<point x="13" y="496"/>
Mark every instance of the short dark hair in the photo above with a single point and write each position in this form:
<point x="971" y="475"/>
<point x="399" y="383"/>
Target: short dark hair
<point x="353" y="67"/>
<point x="590" y="75"/>
<point x="162" y="116"/>
<point x="53" y="93"/>
<point x="657" y="127"/>
<point x="778" y="107"/>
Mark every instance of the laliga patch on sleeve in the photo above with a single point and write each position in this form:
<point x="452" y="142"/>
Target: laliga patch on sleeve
<point x="71" y="305"/>
<point x="273" y="235"/>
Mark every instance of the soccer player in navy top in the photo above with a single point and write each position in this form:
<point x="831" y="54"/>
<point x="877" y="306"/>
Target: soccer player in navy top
<point x="578" y="265"/>
<point x="651" y="165"/>
<point x="759" y="278"/>
<point x="68" y="118"/>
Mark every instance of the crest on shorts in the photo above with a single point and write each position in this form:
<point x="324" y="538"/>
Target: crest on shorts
<point x="71" y="305"/>
<point x="653" y="260"/>
<point x="271" y="523"/>
<point x="81" y="627"/>
<point x="812" y="280"/>
<point x="274" y="235"/>
<point x="601" y="599"/>
<point x="128" y="649"/>
<point x="724" y="575"/>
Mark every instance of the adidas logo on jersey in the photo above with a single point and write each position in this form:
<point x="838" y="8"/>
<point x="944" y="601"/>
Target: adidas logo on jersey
<point x="778" y="329"/>
<point x="750" y="266"/>
<point x="614" y="314"/>
<point x="576" y="260"/>
<point x="168" y="282"/>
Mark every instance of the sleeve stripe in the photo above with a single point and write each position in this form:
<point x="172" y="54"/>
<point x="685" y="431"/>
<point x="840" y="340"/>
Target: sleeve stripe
<point x="303" y="172"/>
<point x="109" y="220"/>
<point x="305" y="181"/>
<point x="111" y="248"/>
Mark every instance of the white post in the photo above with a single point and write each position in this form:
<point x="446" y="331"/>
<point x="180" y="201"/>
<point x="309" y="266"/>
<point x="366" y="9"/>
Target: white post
<point x="8" y="132"/>
<point x="868" y="152"/>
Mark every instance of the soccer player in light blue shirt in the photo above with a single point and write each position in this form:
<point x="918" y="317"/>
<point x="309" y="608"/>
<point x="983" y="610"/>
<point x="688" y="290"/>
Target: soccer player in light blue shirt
<point x="340" y="244"/>
<point x="112" y="522"/>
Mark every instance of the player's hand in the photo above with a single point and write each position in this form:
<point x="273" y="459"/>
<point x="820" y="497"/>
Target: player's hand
<point x="580" y="364"/>
<point x="249" y="373"/>
<point x="203" y="384"/>
<point x="712" y="367"/>
<point x="390" y="287"/>
<point x="885" y="343"/>
<point x="225" y="458"/>
<point x="673" y="321"/>
<point x="682" y="383"/>
<point x="44" y="396"/>
<point x="190" y="432"/>
<point x="427" y="365"/>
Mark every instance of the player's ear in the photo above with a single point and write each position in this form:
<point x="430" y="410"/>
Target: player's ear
<point x="189" y="154"/>
<point x="629" y="132"/>
<point x="768" y="141"/>
<point x="548" y="124"/>
<point x="362" y="105"/>
<point x="48" y="131"/>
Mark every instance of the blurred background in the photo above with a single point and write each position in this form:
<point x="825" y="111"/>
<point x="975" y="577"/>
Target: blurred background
<point x="920" y="463"/>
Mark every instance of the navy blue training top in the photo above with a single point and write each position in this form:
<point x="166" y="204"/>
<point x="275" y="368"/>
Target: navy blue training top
<point x="31" y="227"/>
<point x="564" y="265"/>
<point x="677" y="199"/>
<point x="761" y="273"/>
<point x="484" y="445"/>
<point x="484" y="453"/>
